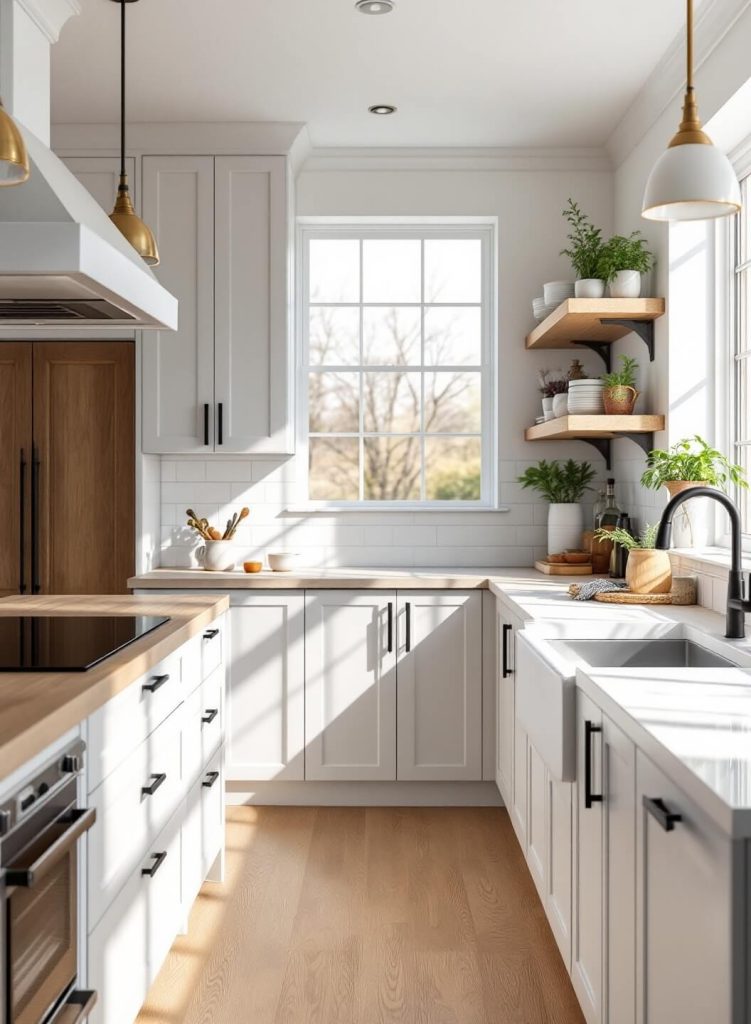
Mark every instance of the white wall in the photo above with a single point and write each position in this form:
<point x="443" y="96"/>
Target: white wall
<point x="527" y="196"/>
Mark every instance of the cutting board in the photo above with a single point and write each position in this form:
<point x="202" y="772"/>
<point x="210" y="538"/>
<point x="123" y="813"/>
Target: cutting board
<point x="563" y="569"/>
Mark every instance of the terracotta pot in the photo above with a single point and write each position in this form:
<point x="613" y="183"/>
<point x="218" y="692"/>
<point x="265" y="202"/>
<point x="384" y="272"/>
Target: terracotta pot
<point x="648" y="571"/>
<point x="674" y="487"/>
<point x="619" y="400"/>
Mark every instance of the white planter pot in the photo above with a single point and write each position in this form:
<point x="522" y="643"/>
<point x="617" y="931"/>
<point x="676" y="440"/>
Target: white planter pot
<point x="547" y="408"/>
<point x="626" y="285"/>
<point x="589" y="288"/>
<point x="565" y="527"/>
<point x="560" y="405"/>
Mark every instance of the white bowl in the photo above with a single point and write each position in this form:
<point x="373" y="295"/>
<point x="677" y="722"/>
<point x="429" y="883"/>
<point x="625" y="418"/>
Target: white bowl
<point x="283" y="561"/>
<point x="556" y="292"/>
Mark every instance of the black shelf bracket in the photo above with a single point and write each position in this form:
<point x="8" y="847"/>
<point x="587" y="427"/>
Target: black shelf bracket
<point x="644" y="328"/>
<point x="602" y="349"/>
<point x="646" y="442"/>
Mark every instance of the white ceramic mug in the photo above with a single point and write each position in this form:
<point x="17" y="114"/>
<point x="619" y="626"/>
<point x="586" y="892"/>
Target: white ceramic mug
<point x="217" y="555"/>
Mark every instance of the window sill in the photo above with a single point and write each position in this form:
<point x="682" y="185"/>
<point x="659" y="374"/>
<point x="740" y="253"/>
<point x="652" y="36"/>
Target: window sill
<point x="327" y="510"/>
<point x="713" y="561"/>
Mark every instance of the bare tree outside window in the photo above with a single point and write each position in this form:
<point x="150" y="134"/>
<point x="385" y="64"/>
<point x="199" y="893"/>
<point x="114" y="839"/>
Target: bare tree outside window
<point x="394" y="369"/>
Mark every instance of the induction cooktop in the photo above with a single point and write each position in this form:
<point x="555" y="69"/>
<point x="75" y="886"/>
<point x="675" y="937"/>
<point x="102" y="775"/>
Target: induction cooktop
<point x="75" y="643"/>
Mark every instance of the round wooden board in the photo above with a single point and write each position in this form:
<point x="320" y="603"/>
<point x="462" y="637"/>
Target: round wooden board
<point x="626" y="597"/>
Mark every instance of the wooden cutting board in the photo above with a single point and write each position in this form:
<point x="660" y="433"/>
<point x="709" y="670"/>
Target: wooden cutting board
<point x="563" y="569"/>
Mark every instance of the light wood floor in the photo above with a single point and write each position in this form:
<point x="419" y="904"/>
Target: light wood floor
<point x="364" y="916"/>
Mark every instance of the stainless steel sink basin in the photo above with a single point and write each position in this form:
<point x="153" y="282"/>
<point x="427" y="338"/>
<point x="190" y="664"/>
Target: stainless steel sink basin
<point x="658" y="653"/>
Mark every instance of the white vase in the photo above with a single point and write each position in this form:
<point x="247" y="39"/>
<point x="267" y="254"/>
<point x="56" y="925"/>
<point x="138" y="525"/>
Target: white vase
<point x="547" y="408"/>
<point x="589" y="288"/>
<point x="560" y="405"/>
<point x="626" y="285"/>
<point x="565" y="527"/>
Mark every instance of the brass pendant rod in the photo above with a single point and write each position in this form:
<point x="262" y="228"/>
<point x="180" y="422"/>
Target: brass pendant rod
<point x="689" y="45"/>
<point x="122" y="88"/>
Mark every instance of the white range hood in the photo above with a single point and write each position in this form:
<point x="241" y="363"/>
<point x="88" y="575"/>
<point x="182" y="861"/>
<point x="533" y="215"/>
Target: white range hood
<point x="63" y="262"/>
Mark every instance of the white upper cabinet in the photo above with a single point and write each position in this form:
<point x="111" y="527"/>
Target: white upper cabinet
<point x="440" y="686"/>
<point x="252" y="366"/>
<point x="222" y="382"/>
<point x="100" y="175"/>
<point x="178" y="366"/>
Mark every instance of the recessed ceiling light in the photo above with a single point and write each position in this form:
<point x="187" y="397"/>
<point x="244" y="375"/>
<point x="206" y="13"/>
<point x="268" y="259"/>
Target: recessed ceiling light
<point x="382" y="109"/>
<point x="374" y="6"/>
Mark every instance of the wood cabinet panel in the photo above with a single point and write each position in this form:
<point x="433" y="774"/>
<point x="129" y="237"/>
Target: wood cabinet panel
<point x="15" y="466"/>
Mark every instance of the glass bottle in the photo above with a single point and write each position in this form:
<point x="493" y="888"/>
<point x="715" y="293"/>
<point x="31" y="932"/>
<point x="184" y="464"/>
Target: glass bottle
<point x="611" y="513"/>
<point x="598" y="508"/>
<point x="619" y="554"/>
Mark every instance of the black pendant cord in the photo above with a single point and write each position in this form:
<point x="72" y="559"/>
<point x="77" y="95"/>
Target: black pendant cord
<point x="122" y="96"/>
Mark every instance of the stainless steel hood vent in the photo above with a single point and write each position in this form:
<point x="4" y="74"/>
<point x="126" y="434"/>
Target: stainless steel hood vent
<point x="41" y="311"/>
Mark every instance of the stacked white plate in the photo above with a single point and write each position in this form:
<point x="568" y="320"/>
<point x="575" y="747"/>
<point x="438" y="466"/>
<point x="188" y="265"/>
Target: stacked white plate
<point x="585" y="397"/>
<point x="540" y="309"/>
<point x="556" y="292"/>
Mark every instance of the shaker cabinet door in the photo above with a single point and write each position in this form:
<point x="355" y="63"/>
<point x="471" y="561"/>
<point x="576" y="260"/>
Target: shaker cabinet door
<point x="178" y="366"/>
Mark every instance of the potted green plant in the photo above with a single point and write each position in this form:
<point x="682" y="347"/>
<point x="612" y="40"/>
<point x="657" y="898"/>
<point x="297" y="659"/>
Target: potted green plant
<point x="619" y="394"/>
<point x="624" y="259"/>
<point x="585" y="251"/>
<point x="648" y="569"/>
<point x="563" y="485"/>
<point x="691" y="462"/>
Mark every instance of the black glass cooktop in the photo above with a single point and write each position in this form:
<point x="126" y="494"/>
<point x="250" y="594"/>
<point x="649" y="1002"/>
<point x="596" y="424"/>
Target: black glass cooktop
<point x="41" y="643"/>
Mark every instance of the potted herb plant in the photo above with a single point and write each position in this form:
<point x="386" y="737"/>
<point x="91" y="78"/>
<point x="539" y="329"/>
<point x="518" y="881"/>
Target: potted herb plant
<point x="563" y="485"/>
<point x="554" y="387"/>
<point x="691" y="462"/>
<point x="585" y="251"/>
<point x="619" y="394"/>
<point x="648" y="569"/>
<point x="624" y="259"/>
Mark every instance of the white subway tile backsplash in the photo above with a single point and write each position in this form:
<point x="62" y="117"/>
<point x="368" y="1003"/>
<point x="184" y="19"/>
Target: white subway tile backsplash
<point x="190" y="471"/>
<point x="235" y="470"/>
<point x="196" y="493"/>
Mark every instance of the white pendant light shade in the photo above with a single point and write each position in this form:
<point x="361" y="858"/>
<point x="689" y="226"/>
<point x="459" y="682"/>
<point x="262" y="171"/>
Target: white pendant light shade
<point x="691" y="182"/>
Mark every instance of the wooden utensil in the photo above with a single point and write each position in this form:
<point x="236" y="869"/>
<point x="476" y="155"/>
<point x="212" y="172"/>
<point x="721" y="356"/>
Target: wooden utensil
<point x="244" y="513"/>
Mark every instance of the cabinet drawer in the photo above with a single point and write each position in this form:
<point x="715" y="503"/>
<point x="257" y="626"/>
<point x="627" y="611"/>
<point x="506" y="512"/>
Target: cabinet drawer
<point x="125" y="721"/>
<point x="203" y="723"/>
<point x="203" y="829"/>
<point x="212" y="646"/>
<point x="129" y="817"/>
<point x="128" y="946"/>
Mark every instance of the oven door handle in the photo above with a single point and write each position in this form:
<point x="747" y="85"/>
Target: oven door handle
<point x="78" y="821"/>
<point x="76" y="1007"/>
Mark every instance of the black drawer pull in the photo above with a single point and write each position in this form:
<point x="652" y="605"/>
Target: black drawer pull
<point x="390" y="644"/>
<point x="505" y="670"/>
<point x="210" y="779"/>
<point x="210" y="634"/>
<point x="155" y="684"/>
<point x="407" y="627"/>
<point x="589" y="797"/>
<point x="157" y="780"/>
<point x="206" y="423"/>
<point x="656" y="807"/>
<point x="159" y="859"/>
<point x="209" y="715"/>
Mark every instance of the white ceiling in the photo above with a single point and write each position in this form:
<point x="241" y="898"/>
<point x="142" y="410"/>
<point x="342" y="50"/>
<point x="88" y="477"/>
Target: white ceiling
<point x="462" y="72"/>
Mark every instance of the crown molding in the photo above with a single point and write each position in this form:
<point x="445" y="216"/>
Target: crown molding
<point x="459" y="159"/>
<point x="665" y="86"/>
<point x="252" y="138"/>
<point x="50" y="15"/>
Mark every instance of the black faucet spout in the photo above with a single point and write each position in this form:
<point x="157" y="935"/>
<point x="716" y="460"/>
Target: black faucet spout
<point x="737" y="603"/>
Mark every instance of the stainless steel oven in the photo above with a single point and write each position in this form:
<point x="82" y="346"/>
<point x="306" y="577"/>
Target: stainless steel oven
<point x="40" y="825"/>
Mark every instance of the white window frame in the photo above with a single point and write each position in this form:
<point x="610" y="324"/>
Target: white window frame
<point x="483" y="228"/>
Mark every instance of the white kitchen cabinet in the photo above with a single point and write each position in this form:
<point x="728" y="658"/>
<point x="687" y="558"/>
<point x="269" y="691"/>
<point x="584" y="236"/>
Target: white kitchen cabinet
<point x="507" y="628"/>
<point x="536" y="815"/>
<point x="100" y="175"/>
<point x="558" y="897"/>
<point x="588" y="851"/>
<point x="253" y="372"/>
<point x="202" y="832"/>
<point x="439" y="674"/>
<point x="222" y="381"/>
<point x="687" y="916"/>
<point x="266" y="692"/>
<point x="178" y="366"/>
<point x="350" y="685"/>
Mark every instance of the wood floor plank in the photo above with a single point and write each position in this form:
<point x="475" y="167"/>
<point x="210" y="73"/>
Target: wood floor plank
<point x="366" y="916"/>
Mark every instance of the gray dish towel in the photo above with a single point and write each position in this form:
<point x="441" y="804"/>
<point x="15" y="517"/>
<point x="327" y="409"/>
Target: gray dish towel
<point x="588" y="590"/>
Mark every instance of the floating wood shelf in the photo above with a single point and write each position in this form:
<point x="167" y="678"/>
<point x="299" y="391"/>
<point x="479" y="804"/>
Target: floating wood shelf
<point x="597" y="323"/>
<point x="599" y="431"/>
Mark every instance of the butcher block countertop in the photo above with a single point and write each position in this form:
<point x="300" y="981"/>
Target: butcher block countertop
<point x="316" y="579"/>
<point x="37" y="708"/>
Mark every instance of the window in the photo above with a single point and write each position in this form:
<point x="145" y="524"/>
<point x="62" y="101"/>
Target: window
<point x="396" y="391"/>
<point x="741" y="398"/>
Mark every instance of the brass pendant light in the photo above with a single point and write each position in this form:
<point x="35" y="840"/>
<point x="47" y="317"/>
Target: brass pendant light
<point x="124" y="215"/>
<point x="14" y="160"/>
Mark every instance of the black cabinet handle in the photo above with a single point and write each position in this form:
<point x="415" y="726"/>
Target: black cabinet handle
<point x="76" y="1007"/>
<point x="656" y="807"/>
<point x="206" y="423"/>
<point x="209" y="715"/>
<point x="210" y="634"/>
<point x="505" y="670"/>
<point x="390" y="643"/>
<point x="407" y="626"/>
<point x="589" y="797"/>
<point x="159" y="859"/>
<point x="35" y="467"/>
<point x="220" y="423"/>
<point x="210" y="779"/>
<point x="22" y="524"/>
<point x="156" y="683"/>
<point x="157" y="780"/>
